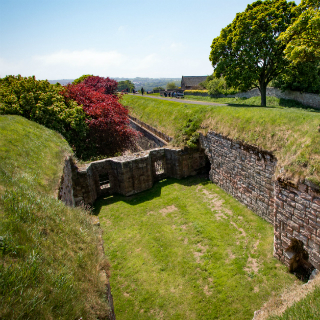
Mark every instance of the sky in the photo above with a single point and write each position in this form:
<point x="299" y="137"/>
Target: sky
<point x="64" y="39"/>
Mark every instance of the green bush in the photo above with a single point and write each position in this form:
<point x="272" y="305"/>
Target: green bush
<point x="219" y="86"/>
<point x="40" y="101"/>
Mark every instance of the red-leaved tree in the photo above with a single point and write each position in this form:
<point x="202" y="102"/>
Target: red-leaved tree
<point x="107" y="118"/>
<point x="103" y="85"/>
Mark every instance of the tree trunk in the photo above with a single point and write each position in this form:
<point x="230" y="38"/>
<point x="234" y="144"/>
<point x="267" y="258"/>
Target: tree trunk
<point x="263" y="92"/>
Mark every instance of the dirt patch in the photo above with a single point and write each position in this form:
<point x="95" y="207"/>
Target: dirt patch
<point x="168" y="209"/>
<point x="126" y="295"/>
<point x="198" y="254"/>
<point x="252" y="266"/>
<point x="255" y="246"/>
<point x="207" y="291"/>
<point x="240" y="229"/>
<point x="231" y="256"/>
<point x="220" y="215"/>
<point x="185" y="241"/>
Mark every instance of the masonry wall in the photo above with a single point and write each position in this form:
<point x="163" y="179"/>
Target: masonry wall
<point x="297" y="215"/>
<point x="243" y="171"/>
<point x="132" y="174"/>
<point x="308" y="99"/>
<point x="65" y="193"/>
<point x="154" y="140"/>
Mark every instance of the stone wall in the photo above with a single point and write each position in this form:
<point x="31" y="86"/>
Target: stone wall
<point x="153" y="140"/>
<point x="243" y="171"/>
<point x="297" y="215"/>
<point x="65" y="193"/>
<point x="308" y="99"/>
<point x="128" y="175"/>
<point x="156" y="132"/>
<point x="248" y="174"/>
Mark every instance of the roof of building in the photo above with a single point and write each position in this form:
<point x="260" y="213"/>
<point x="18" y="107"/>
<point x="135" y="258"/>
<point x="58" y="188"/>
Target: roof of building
<point x="191" y="81"/>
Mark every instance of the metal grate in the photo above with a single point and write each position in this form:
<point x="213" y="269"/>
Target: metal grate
<point x="159" y="167"/>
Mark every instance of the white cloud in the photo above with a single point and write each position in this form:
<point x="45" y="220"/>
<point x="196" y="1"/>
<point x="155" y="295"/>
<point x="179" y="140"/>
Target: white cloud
<point x="82" y="58"/>
<point x="65" y="64"/>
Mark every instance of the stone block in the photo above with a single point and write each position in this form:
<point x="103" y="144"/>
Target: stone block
<point x="295" y="226"/>
<point x="298" y="221"/>
<point x="301" y="237"/>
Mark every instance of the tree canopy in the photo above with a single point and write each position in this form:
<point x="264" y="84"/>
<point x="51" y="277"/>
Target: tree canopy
<point x="126" y="84"/>
<point x="247" y="52"/>
<point x="171" y="85"/>
<point x="302" y="37"/>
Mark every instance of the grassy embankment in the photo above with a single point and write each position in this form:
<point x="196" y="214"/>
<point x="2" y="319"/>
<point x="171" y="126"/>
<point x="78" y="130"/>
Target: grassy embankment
<point x="187" y="250"/>
<point x="291" y="133"/>
<point x="49" y="263"/>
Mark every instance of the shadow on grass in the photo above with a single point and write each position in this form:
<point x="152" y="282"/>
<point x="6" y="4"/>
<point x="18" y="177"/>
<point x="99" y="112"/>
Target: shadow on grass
<point x="148" y="195"/>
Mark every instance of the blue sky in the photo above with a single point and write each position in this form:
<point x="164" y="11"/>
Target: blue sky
<point x="63" y="39"/>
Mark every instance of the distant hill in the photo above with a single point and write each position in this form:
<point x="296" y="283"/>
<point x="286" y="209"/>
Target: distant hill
<point x="61" y="81"/>
<point x="147" y="83"/>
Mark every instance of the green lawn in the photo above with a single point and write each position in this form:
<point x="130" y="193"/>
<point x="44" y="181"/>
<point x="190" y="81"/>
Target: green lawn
<point x="187" y="250"/>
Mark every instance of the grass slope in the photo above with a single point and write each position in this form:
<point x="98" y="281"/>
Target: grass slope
<point x="49" y="266"/>
<point x="292" y="134"/>
<point x="187" y="250"/>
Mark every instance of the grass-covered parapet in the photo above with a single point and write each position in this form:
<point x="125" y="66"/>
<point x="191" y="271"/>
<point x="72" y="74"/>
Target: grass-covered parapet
<point x="49" y="262"/>
<point x="287" y="129"/>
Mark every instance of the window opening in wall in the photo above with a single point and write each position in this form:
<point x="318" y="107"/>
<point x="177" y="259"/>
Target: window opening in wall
<point x="159" y="167"/>
<point x="104" y="181"/>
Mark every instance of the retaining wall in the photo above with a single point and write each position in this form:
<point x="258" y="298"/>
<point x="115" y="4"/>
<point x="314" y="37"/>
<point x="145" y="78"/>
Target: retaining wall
<point x="248" y="174"/>
<point x="243" y="171"/>
<point x="156" y="132"/>
<point x="308" y="99"/>
<point x="153" y="139"/>
<point x="297" y="215"/>
<point x="128" y="175"/>
<point x="65" y="193"/>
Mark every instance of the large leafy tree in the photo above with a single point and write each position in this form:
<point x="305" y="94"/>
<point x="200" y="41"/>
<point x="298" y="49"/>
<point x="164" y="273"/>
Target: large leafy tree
<point x="247" y="52"/>
<point x="302" y="37"/>
<point x="300" y="76"/>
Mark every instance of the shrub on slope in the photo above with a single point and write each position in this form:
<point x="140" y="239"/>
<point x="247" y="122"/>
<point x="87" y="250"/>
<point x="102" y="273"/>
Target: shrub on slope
<point x="49" y="266"/>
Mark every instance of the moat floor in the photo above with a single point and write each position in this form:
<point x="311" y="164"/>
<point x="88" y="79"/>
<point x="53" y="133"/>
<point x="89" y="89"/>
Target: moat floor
<point x="187" y="250"/>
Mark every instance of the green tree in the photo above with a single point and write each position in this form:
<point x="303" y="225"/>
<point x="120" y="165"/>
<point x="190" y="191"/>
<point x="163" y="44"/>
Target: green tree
<point x="158" y="88"/>
<point x="300" y="76"/>
<point x="247" y="52"/>
<point x="302" y="37"/>
<point x="123" y="85"/>
<point x="171" y="85"/>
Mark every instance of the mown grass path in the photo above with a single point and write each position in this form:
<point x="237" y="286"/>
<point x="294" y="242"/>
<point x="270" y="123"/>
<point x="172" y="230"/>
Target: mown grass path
<point x="187" y="250"/>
